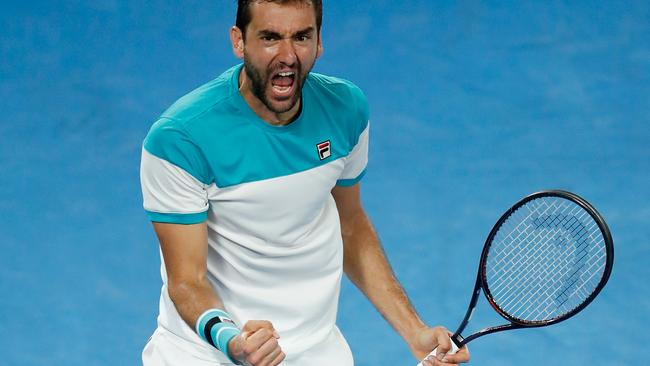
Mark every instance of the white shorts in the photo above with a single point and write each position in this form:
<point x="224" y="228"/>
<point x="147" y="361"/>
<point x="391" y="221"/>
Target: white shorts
<point x="167" y="349"/>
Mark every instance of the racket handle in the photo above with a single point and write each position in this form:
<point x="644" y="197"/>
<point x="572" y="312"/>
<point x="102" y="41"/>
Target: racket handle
<point x="454" y="349"/>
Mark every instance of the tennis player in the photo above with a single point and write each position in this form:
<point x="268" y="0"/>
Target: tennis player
<point x="252" y="184"/>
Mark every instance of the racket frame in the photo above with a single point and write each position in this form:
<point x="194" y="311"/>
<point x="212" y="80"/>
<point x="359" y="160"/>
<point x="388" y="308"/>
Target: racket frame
<point x="481" y="278"/>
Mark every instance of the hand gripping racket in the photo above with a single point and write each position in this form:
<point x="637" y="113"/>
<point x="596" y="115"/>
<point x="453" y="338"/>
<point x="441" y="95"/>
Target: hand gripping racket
<point x="544" y="261"/>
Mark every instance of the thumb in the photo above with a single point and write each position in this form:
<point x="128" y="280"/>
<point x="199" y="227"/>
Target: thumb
<point x="253" y="326"/>
<point x="445" y="346"/>
<point x="236" y="344"/>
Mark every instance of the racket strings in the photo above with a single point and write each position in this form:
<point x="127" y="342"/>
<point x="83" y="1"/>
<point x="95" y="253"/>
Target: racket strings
<point x="531" y="268"/>
<point x="514" y="253"/>
<point x="545" y="259"/>
<point x="517" y="256"/>
<point x="537" y="266"/>
<point x="502" y="261"/>
<point x="558" y="297"/>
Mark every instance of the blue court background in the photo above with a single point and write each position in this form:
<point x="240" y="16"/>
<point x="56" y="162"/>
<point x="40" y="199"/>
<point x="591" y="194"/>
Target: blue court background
<point x="474" y="104"/>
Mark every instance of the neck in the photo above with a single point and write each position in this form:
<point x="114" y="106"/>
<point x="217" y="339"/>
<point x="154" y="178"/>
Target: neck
<point x="262" y="111"/>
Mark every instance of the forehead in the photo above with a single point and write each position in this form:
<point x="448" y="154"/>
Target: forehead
<point x="282" y="18"/>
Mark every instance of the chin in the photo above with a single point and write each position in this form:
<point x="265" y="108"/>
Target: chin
<point x="282" y="106"/>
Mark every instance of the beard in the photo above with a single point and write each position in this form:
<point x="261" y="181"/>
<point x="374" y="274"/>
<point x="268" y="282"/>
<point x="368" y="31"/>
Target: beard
<point x="261" y="83"/>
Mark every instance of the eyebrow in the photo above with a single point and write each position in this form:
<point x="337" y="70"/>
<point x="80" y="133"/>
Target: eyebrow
<point x="269" y="33"/>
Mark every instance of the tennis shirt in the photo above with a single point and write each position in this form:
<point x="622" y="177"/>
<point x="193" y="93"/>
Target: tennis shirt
<point x="275" y="250"/>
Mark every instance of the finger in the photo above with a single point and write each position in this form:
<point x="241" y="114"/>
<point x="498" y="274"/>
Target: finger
<point x="265" y="351"/>
<point x="442" y="363"/>
<point x="459" y="357"/>
<point x="437" y="362"/>
<point x="256" y="340"/>
<point x="271" y="356"/>
<point x="279" y="358"/>
<point x="253" y="325"/>
<point x="444" y="345"/>
<point x="428" y="361"/>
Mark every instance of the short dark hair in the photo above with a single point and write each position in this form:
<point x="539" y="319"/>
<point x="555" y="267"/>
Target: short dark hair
<point x="244" y="11"/>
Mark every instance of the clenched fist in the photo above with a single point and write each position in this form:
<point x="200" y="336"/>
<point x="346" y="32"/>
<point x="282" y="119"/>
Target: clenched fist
<point x="256" y="345"/>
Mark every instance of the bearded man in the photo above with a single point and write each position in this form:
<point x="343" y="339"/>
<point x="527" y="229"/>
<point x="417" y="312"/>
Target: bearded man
<point x="252" y="184"/>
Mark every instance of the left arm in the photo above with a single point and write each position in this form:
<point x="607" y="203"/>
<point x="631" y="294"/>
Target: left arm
<point x="365" y="264"/>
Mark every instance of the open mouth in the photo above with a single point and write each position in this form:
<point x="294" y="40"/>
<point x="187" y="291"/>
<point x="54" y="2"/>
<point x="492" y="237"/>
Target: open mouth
<point x="282" y="83"/>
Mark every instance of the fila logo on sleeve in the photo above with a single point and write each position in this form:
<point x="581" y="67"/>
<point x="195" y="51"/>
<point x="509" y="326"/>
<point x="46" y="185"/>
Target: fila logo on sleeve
<point x="324" y="150"/>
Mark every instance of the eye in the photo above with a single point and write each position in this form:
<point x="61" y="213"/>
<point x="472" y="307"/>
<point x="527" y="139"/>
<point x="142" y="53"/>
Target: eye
<point x="268" y="37"/>
<point x="302" y="38"/>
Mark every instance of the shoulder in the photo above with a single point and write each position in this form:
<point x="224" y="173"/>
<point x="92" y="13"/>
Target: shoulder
<point x="176" y="136"/>
<point x="344" y="100"/>
<point x="346" y="91"/>
<point x="192" y="114"/>
<point x="335" y="84"/>
<point x="212" y="95"/>
<point x="163" y="134"/>
<point x="168" y="140"/>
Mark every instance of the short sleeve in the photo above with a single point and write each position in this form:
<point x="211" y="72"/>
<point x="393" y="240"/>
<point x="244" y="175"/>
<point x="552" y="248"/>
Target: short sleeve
<point x="356" y="161"/>
<point x="174" y="176"/>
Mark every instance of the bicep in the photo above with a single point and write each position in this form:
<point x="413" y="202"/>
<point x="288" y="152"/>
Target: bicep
<point x="184" y="249"/>
<point x="348" y="202"/>
<point x="351" y="213"/>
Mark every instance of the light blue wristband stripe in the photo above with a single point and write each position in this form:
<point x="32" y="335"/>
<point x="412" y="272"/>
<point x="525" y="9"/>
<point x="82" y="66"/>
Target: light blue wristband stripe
<point x="221" y="332"/>
<point x="205" y="318"/>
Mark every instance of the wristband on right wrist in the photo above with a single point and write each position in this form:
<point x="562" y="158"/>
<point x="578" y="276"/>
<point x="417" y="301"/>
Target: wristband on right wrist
<point x="216" y="327"/>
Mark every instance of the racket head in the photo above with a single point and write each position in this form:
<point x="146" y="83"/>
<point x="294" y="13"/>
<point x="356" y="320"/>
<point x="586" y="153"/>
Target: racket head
<point x="546" y="259"/>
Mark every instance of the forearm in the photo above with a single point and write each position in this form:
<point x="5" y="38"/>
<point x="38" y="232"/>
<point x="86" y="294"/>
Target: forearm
<point x="192" y="298"/>
<point x="366" y="266"/>
<point x="185" y="250"/>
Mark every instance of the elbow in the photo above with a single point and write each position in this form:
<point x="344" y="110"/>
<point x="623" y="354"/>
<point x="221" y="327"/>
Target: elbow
<point x="183" y="289"/>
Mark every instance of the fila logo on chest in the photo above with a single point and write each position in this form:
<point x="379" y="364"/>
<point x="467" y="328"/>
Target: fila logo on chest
<point x="324" y="150"/>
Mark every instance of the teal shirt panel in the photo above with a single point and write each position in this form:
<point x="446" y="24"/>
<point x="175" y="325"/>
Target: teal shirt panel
<point x="214" y="135"/>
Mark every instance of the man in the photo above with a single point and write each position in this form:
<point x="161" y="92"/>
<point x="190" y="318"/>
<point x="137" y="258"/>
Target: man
<point x="252" y="184"/>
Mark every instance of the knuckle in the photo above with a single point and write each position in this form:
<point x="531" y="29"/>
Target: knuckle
<point x="278" y="359"/>
<point x="273" y="342"/>
<point x="249" y="349"/>
<point x="265" y="332"/>
<point x="253" y="359"/>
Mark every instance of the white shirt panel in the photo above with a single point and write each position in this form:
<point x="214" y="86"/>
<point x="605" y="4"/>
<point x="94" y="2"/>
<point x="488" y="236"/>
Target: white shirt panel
<point x="276" y="257"/>
<point x="167" y="188"/>
<point x="356" y="161"/>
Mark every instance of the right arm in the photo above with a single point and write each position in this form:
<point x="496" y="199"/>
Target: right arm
<point x="174" y="177"/>
<point x="185" y="250"/>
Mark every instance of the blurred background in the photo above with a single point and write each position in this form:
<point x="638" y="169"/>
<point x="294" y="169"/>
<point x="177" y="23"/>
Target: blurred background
<point x="474" y="104"/>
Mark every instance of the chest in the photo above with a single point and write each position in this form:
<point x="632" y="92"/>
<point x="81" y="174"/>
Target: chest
<point x="281" y="208"/>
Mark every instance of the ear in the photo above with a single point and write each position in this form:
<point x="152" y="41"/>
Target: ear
<point x="237" y="40"/>
<point x="319" y="49"/>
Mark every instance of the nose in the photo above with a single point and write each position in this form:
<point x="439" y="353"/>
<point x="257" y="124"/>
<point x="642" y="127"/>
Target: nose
<point x="287" y="53"/>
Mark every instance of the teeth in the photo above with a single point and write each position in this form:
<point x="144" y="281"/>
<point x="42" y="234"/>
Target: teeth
<point x="287" y="73"/>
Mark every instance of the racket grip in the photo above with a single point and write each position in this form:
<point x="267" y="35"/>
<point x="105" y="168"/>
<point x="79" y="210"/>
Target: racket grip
<point x="454" y="349"/>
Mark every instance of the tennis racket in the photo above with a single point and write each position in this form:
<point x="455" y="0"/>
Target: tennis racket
<point x="543" y="262"/>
